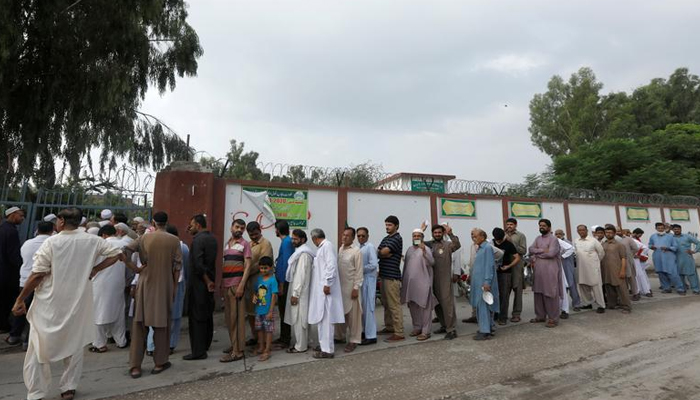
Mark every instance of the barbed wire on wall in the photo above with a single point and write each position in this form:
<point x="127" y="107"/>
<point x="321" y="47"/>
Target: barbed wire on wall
<point x="477" y="187"/>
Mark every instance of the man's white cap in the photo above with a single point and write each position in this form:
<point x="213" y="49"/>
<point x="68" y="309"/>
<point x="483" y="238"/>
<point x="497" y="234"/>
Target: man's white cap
<point x="12" y="210"/>
<point x="138" y="220"/>
<point x="50" y="218"/>
<point x="122" y="227"/>
<point x="418" y="230"/>
<point x="103" y="223"/>
<point x="93" y="231"/>
<point x="106" y="214"/>
<point x="83" y="221"/>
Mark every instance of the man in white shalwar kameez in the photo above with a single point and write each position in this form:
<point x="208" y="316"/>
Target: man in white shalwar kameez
<point x="108" y="294"/>
<point x="326" y="300"/>
<point x="299" y="281"/>
<point x="641" y="262"/>
<point x="62" y="311"/>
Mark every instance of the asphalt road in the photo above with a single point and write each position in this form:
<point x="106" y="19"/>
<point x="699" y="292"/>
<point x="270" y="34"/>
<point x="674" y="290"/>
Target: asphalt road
<point x="649" y="354"/>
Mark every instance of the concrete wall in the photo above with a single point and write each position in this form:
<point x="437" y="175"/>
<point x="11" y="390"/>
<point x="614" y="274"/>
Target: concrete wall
<point x="692" y="226"/>
<point x="369" y="209"/>
<point x="185" y="193"/>
<point x="323" y="211"/>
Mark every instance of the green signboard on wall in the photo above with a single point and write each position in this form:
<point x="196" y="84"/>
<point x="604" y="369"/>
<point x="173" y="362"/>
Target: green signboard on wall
<point x="427" y="185"/>
<point x="637" y="214"/>
<point x="521" y="209"/>
<point x="457" y="208"/>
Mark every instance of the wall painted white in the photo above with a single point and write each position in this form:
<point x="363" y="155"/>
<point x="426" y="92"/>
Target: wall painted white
<point x="370" y="210"/>
<point x="489" y="214"/>
<point x="692" y="226"/>
<point x="589" y="215"/>
<point x="323" y="206"/>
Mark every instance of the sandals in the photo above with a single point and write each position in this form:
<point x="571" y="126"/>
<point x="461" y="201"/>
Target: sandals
<point x="414" y="333"/>
<point x="536" y="321"/>
<point x="422" y="337"/>
<point x="264" y="357"/>
<point x="230" y="358"/>
<point x="68" y="395"/>
<point x="156" y="370"/>
<point x="94" y="349"/>
<point x="350" y="347"/>
<point x="551" y="323"/>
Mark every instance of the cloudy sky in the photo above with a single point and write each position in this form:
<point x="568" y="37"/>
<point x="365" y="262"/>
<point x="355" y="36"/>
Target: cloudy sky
<point x="420" y="86"/>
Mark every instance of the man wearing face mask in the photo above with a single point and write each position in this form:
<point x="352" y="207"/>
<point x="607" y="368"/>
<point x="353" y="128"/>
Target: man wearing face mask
<point x="546" y="263"/>
<point x="417" y="287"/>
<point x="664" y="256"/>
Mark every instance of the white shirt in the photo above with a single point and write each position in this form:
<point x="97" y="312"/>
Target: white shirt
<point x="565" y="249"/>
<point x="28" y="249"/>
<point x="62" y="310"/>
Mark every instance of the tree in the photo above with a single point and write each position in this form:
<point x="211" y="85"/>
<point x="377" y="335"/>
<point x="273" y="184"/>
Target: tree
<point x="568" y="115"/>
<point x="238" y="164"/>
<point x="73" y="75"/>
<point x="665" y="162"/>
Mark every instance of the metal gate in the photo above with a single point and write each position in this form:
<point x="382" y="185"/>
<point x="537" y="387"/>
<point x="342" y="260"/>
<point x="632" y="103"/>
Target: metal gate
<point x="44" y="201"/>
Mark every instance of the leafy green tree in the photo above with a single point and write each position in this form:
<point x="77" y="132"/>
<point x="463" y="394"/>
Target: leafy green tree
<point x="237" y="164"/>
<point x="568" y="114"/>
<point x="665" y="162"/>
<point x="73" y="75"/>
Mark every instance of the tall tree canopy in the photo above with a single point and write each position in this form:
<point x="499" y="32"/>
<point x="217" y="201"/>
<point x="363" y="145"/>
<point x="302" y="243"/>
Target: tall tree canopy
<point x="646" y="141"/>
<point x="73" y="75"/>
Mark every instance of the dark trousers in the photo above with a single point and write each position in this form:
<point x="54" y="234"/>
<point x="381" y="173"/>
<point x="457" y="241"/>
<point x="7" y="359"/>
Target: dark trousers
<point x="201" y="334"/>
<point x="285" y="330"/>
<point x="505" y="285"/>
<point x="8" y="295"/>
<point x="200" y="316"/>
<point x="20" y="322"/>
<point x="161" y="338"/>
<point x="617" y="296"/>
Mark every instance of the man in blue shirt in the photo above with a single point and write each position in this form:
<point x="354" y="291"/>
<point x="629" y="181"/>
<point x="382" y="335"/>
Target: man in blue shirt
<point x="664" y="246"/>
<point x="286" y="250"/>
<point x="684" y="255"/>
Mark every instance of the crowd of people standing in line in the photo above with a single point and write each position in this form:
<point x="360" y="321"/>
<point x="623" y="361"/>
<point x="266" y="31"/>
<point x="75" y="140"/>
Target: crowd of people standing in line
<point x="87" y="282"/>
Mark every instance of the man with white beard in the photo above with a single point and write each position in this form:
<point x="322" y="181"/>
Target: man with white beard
<point x="298" y="277"/>
<point x="326" y="302"/>
<point x="108" y="296"/>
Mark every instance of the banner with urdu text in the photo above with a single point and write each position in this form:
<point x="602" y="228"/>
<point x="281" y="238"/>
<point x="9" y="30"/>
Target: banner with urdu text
<point x="288" y="204"/>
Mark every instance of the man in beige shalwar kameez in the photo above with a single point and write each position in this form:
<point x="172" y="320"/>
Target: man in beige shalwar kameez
<point x="351" y="272"/>
<point x="161" y="256"/>
<point x="61" y="314"/>
<point x="589" y="253"/>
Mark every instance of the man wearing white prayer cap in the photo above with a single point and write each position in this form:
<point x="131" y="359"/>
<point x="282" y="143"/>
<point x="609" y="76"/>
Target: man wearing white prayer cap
<point x="106" y="214"/>
<point x="50" y="218"/>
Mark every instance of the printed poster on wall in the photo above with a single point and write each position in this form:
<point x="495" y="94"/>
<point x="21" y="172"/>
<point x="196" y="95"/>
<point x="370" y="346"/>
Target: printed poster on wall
<point x="457" y="208"/>
<point x="521" y="209"/>
<point x="637" y="214"/>
<point x="680" y="214"/>
<point x="290" y="205"/>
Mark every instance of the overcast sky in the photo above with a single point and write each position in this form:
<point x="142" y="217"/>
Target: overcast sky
<point x="417" y="86"/>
